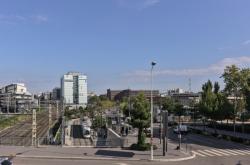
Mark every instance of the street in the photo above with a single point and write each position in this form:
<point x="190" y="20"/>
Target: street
<point x="208" y="150"/>
<point x="197" y="161"/>
<point x="213" y="147"/>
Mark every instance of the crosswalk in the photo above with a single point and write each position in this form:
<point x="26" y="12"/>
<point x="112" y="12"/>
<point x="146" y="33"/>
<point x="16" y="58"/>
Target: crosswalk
<point x="221" y="152"/>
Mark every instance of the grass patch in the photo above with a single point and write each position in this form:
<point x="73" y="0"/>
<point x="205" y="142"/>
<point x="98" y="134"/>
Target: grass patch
<point x="12" y="120"/>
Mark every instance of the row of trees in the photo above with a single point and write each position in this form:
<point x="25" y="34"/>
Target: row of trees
<point x="230" y="103"/>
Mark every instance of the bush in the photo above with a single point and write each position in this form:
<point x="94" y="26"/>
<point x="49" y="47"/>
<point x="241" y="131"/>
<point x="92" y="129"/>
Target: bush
<point x="215" y="134"/>
<point x="230" y="127"/>
<point x="142" y="147"/>
<point x="247" y="142"/>
<point x="238" y="140"/>
<point x="205" y="133"/>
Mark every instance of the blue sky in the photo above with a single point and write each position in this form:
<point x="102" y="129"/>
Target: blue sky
<point x="114" y="41"/>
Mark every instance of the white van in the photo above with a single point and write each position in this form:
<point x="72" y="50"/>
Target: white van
<point x="183" y="129"/>
<point x="86" y="132"/>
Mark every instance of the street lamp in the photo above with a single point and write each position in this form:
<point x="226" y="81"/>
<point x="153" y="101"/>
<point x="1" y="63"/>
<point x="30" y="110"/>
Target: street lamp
<point x="152" y="124"/>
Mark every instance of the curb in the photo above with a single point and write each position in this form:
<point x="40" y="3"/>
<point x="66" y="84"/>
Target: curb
<point x="176" y="160"/>
<point x="105" y="159"/>
<point x="77" y="158"/>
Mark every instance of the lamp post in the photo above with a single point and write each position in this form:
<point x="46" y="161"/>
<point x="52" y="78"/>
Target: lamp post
<point x="152" y="124"/>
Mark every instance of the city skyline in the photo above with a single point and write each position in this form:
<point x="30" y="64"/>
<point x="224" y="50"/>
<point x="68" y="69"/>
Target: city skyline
<point x="113" y="42"/>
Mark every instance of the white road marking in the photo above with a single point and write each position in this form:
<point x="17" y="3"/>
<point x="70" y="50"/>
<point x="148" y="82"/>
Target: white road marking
<point x="239" y="153"/>
<point x="246" y="151"/>
<point x="242" y="151"/>
<point x="121" y="164"/>
<point x="205" y="153"/>
<point x="212" y="152"/>
<point x="220" y="152"/>
<point x="225" y="151"/>
<point x="199" y="154"/>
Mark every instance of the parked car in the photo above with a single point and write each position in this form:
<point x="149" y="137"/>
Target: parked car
<point x="5" y="161"/>
<point x="147" y="131"/>
<point x="183" y="129"/>
<point x="86" y="132"/>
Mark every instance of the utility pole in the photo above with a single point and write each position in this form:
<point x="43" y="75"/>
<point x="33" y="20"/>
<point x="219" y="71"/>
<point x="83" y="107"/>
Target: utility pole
<point x="129" y="100"/>
<point x="179" y="134"/>
<point x="34" y="140"/>
<point x="165" y="132"/>
<point x="15" y="106"/>
<point x="39" y="104"/>
<point x="62" y="125"/>
<point x="50" y="118"/>
<point x="160" y="127"/>
<point x="57" y="110"/>
<point x="8" y="104"/>
<point x="152" y="113"/>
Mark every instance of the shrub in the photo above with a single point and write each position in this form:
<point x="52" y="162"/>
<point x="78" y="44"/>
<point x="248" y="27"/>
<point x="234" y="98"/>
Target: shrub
<point x="228" y="138"/>
<point x="215" y="134"/>
<point x="142" y="147"/>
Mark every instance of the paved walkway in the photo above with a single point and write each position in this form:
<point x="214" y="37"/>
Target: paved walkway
<point x="56" y="152"/>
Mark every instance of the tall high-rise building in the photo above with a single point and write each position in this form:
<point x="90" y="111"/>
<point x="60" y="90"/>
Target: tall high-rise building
<point x="74" y="89"/>
<point x="56" y="94"/>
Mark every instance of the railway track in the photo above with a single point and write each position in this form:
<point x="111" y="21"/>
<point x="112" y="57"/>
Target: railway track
<point x="77" y="134"/>
<point x="21" y="133"/>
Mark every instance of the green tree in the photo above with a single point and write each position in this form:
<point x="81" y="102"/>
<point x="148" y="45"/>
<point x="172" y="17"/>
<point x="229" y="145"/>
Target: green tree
<point x="207" y="99"/>
<point x="140" y="117"/>
<point x="211" y="102"/>
<point x="98" y="122"/>
<point x="227" y="109"/>
<point x="168" y="104"/>
<point x="125" y="106"/>
<point x="236" y="84"/>
<point x="98" y="105"/>
<point x="178" y="111"/>
<point x="246" y="87"/>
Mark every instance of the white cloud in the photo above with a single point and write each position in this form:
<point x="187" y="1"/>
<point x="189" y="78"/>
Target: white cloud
<point x="137" y="4"/>
<point x="149" y="3"/>
<point x="247" y="42"/>
<point x="16" y="19"/>
<point x="39" y="18"/>
<point x="214" y="69"/>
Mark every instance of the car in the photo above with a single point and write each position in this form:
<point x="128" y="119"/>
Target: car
<point x="147" y="131"/>
<point x="183" y="129"/>
<point x="87" y="136"/>
<point x="5" y="161"/>
<point x="86" y="132"/>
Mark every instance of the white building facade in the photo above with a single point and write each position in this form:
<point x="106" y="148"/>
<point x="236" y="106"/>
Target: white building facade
<point x="74" y="89"/>
<point x="15" y="98"/>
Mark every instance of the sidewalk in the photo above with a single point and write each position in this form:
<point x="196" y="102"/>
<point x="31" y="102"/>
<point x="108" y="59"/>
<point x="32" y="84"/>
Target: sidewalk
<point x="57" y="152"/>
<point x="223" y="132"/>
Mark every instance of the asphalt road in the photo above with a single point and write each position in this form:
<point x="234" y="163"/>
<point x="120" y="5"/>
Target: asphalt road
<point x="210" y="149"/>
<point x="196" y="161"/>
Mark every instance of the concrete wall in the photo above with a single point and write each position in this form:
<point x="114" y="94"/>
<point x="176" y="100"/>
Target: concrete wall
<point x="113" y="139"/>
